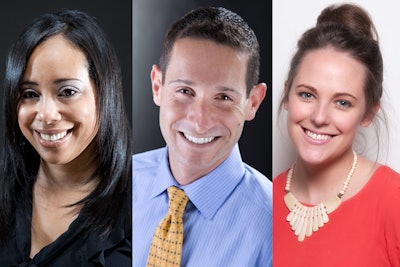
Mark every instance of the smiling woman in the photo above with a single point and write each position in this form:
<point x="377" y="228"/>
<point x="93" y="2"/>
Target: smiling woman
<point x="57" y="113"/>
<point x="334" y="87"/>
<point x="325" y="105"/>
<point x="65" y="193"/>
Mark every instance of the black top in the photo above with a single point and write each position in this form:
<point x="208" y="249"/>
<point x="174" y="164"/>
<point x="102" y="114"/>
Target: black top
<point x="72" y="248"/>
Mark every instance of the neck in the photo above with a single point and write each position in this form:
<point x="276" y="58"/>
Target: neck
<point x="313" y="184"/>
<point x="68" y="176"/>
<point x="185" y="175"/>
<point x="186" y="171"/>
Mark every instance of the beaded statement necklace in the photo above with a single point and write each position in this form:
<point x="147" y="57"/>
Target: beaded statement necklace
<point x="305" y="220"/>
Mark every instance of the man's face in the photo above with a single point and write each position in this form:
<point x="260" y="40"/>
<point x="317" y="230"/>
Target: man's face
<point x="203" y="103"/>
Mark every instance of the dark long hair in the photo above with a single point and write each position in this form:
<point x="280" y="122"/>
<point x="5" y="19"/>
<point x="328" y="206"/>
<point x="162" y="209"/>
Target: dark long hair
<point x="20" y="162"/>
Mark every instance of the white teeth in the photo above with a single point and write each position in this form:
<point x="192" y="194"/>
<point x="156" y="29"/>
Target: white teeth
<point x="53" y="137"/>
<point x="318" y="137"/>
<point x="199" y="140"/>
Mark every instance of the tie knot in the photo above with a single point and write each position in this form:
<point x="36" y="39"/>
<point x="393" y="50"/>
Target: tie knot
<point x="177" y="201"/>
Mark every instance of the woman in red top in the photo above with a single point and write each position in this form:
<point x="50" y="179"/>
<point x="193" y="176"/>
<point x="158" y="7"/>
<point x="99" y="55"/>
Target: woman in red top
<point x="334" y="207"/>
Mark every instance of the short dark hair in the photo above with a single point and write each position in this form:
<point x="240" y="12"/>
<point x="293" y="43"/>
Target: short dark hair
<point x="20" y="161"/>
<point x="221" y="26"/>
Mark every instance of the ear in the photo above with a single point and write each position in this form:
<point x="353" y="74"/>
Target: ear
<point x="255" y="99"/>
<point x="156" y="83"/>
<point x="370" y="115"/>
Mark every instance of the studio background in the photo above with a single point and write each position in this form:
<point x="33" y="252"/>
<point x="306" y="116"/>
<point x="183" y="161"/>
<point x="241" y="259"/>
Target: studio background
<point x="290" y="19"/>
<point x="151" y="19"/>
<point x="113" y="16"/>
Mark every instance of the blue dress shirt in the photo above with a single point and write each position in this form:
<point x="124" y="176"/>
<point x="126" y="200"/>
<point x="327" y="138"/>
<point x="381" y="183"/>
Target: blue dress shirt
<point x="227" y="222"/>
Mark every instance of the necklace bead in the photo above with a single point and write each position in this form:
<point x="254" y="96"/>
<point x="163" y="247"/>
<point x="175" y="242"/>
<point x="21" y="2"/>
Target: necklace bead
<point x="305" y="220"/>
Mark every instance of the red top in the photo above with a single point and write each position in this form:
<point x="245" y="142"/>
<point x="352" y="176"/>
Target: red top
<point x="363" y="231"/>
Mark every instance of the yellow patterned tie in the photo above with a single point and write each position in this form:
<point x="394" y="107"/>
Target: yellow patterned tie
<point x="166" y="246"/>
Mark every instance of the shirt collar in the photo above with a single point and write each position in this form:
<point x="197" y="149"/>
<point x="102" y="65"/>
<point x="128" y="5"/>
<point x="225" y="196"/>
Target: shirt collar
<point x="209" y="192"/>
<point x="163" y="178"/>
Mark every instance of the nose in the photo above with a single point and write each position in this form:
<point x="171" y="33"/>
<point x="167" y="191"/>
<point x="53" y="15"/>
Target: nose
<point x="202" y="115"/>
<point x="48" y="111"/>
<point x="320" y="115"/>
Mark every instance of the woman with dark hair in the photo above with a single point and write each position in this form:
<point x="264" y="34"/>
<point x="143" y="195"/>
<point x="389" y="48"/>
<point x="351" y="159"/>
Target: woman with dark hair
<point x="334" y="207"/>
<point x="65" y="193"/>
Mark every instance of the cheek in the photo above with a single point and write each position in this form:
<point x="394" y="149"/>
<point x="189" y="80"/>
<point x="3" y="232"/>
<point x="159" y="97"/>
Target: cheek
<point x="91" y="118"/>
<point x="25" y="116"/>
<point x="347" y="123"/>
<point x="232" y="118"/>
<point x="296" y="111"/>
<point x="83" y="113"/>
<point x="169" y="115"/>
<point x="170" y="111"/>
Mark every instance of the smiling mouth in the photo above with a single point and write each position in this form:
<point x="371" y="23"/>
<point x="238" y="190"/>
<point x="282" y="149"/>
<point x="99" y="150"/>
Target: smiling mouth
<point x="317" y="137"/>
<point x="199" y="140"/>
<point x="53" y="137"/>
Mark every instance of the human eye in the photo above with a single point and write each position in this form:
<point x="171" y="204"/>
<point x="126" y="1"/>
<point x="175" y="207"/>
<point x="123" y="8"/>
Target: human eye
<point x="224" y="97"/>
<point x="29" y="94"/>
<point x="185" y="91"/>
<point x="306" y="96"/>
<point x="67" y="91"/>
<point x="343" y="104"/>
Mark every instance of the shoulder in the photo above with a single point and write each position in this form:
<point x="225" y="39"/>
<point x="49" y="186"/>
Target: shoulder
<point x="386" y="188"/>
<point x="255" y="208"/>
<point x="148" y="159"/>
<point x="257" y="177"/>
<point x="383" y="189"/>
<point x="279" y="184"/>
<point x="115" y="249"/>
<point x="280" y="179"/>
<point x="126" y="216"/>
<point x="386" y="171"/>
<point x="386" y="179"/>
<point x="145" y="168"/>
<point x="388" y="183"/>
<point x="257" y="188"/>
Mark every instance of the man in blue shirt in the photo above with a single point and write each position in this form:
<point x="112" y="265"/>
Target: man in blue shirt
<point x="206" y="87"/>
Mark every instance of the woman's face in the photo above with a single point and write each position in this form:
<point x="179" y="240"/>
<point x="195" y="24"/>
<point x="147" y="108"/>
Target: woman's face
<point x="57" y="113"/>
<point x="326" y="104"/>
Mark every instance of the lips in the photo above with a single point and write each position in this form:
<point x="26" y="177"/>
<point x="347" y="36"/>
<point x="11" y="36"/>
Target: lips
<point x="317" y="136"/>
<point x="53" y="137"/>
<point x="199" y="140"/>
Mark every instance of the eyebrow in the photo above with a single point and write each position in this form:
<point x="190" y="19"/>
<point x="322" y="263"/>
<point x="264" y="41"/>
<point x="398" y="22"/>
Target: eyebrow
<point x="188" y="82"/>
<point x="309" y="87"/>
<point x="219" y="88"/>
<point x="58" y="81"/>
<point x="336" y="95"/>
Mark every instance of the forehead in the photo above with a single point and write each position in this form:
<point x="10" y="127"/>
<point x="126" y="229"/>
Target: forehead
<point x="206" y="60"/>
<point x="58" y="56"/>
<point x="193" y="46"/>
<point x="57" y="45"/>
<point x="331" y="69"/>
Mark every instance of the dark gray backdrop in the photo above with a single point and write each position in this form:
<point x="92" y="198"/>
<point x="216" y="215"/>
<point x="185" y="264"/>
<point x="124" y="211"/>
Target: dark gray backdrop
<point x="113" y="16"/>
<point x="151" y="19"/>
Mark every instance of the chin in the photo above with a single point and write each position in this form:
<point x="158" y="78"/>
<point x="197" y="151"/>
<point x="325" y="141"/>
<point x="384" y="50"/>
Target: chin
<point x="313" y="157"/>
